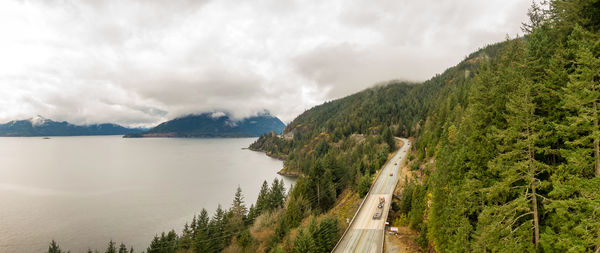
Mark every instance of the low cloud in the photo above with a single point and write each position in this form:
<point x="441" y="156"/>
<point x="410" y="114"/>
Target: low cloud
<point x="138" y="63"/>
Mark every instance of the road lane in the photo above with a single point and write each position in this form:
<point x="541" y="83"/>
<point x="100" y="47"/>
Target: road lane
<point x="365" y="234"/>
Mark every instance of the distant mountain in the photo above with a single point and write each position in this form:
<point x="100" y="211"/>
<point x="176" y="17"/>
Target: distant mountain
<point x="215" y="125"/>
<point x="40" y="126"/>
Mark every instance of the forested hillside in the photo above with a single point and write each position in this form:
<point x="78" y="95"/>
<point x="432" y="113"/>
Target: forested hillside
<point x="515" y="166"/>
<point x="506" y="157"/>
<point x="507" y="142"/>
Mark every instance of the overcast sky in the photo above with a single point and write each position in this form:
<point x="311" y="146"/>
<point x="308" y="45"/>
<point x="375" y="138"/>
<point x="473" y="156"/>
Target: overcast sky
<point x="140" y="62"/>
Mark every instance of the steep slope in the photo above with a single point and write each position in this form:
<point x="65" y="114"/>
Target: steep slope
<point x="40" y="126"/>
<point x="401" y="106"/>
<point x="215" y="125"/>
<point x="507" y="150"/>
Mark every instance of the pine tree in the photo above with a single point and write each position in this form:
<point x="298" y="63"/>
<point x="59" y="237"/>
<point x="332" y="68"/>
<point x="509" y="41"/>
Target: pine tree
<point x="122" y="248"/>
<point x="276" y="194"/>
<point x="296" y="209"/>
<point x="364" y="185"/>
<point x="327" y="234"/>
<point x="237" y="213"/>
<point x="54" y="247"/>
<point x="573" y="220"/>
<point x="252" y="214"/>
<point x="186" y="236"/>
<point x="112" y="248"/>
<point x="511" y="220"/>
<point x="537" y="17"/>
<point x="201" y="240"/>
<point x="304" y="242"/>
<point x="238" y="207"/>
<point x="581" y="98"/>
<point x="313" y="228"/>
<point x="155" y="245"/>
<point x="262" y="202"/>
<point x="203" y="220"/>
<point x="194" y="225"/>
<point x="389" y="139"/>
<point x="170" y="242"/>
<point x="245" y="240"/>
<point x="217" y="233"/>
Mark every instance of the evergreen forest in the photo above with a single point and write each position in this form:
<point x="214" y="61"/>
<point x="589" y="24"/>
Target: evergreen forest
<point x="506" y="154"/>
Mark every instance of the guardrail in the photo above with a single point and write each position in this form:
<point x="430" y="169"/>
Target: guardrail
<point x="391" y="199"/>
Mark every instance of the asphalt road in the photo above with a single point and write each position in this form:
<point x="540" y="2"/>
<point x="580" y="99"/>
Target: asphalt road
<point x="365" y="234"/>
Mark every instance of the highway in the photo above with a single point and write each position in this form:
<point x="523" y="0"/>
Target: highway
<point x="365" y="234"/>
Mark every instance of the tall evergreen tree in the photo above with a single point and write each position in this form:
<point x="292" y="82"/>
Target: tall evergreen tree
<point x="245" y="240"/>
<point x="573" y="220"/>
<point x="54" y="248"/>
<point x="262" y="202"/>
<point x="186" y="236"/>
<point x="512" y="216"/>
<point x="217" y="232"/>
<point x="276" y="194"/>
<point x="581" y="98"/>
<point x="201" y="238"/>
<point x="327" y="235"/>
<point x="304" y="242"/>
<point x="238" y="208"/>
<point x="389" y="139"/>
<point x="123" y="248"/>
<point x="112" y="247"/>
<point x="238" y="211"/>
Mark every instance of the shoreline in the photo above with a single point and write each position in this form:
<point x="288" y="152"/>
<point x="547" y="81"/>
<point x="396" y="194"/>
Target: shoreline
<point x="282" y="171"/>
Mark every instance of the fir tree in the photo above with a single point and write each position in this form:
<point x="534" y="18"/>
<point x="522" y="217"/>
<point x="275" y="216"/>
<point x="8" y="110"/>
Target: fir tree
<point x="262" y="202"/>
<point x="54" y="248"/>
<point x="122" y="248"/>
<point x="304" y="242"/>
<point x="327" y="235"/>
<point x="112" y="248"/>
<point x="245" y="240"/>
<point x="238" y="208"/>
<point x="186" y="236"/>
<point x="512" y="217"/>
<point x="389" y="139"/>
<point x="581" y="98"/>
<point x="276" y="194"/>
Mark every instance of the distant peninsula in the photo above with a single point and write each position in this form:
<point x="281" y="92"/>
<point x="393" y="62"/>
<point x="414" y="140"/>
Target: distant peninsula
<point x="212" y="125"/>
<point x="40" y="126"/>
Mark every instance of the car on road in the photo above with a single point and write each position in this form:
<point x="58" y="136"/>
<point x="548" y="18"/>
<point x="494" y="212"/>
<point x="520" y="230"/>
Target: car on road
<point x="381" y="202"/>
<point x="378" y="214"/>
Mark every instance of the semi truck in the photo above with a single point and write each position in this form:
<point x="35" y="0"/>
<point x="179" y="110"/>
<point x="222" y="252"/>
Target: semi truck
<point x="379" y="210"/>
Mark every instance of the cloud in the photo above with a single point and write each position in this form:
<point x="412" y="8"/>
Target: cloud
<point x="138" y="62"/>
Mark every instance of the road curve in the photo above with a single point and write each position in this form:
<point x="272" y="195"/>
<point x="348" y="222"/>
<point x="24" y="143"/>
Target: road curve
<point x="365" y="234"/>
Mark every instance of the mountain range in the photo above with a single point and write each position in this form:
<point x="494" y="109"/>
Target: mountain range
<point x="215" y="125"/>
<point x="40" y="126"/>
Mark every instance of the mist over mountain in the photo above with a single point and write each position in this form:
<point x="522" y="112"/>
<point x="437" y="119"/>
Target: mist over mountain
<point x="217" y="124"/>
<point x="40" y="126"/>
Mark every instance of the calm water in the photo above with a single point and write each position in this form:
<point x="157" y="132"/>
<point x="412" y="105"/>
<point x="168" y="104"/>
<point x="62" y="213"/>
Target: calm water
<point x="84" y="191"/>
